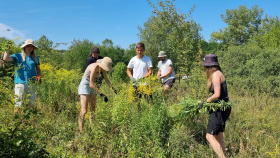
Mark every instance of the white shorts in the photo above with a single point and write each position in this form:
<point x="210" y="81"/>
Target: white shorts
<point x="22" y="89"/>
<point x="84" y="87"/>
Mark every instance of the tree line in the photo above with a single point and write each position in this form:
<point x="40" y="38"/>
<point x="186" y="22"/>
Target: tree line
<point x="248" y="48"/>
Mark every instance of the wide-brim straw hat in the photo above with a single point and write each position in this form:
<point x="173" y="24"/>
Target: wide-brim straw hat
<point x="161" y="54"/>
<point x="105" y="63"/>
<point x="210" y="60"/>
<point x="28" y="42"/>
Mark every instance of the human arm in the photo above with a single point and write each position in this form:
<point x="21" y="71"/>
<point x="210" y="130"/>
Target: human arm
<point x="158" y="74"/>
<point x="128" y="72"/>
<point x="150" y="69"/>
<point x="216" y="82"/>
<point x="38" y="70"/>
<point x="7" y="56"/>
<point x="108" y="81"/>
<point x="168" y="73"/>
<point x="93" y="71"/>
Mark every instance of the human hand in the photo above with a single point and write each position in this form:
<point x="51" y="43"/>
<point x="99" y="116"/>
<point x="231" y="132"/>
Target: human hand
<point x="9" y="43"/>
<point x="200" y="105"/>
<point x="104" y="97"/>
<point x="132" y="79"/>
<point x="115" y="91"/>
<point x="38" y="78"/>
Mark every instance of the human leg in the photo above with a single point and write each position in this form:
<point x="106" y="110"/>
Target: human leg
<point x="168" y="85"/>
<point x="84" y="102"/>
<point x="167" y="89"/>
<point x="215" y="129"/>
<point x="215" y="144"/>
<point x="32" y="95"/>
<point x="92" y="103"/>
<point x="221" y="140"/>
<point x="19" y="90"/>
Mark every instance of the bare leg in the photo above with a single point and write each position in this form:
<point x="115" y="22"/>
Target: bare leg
<point x="167" y="90"/>
<point x="84" y="103"/>
<point x="222" y="141"/>
<point x="92" y="105"/>
<point x="214" y="140"/>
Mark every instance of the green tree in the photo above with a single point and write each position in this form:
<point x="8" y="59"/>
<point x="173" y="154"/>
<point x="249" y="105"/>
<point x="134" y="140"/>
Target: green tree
<point x="242" y="24"/>
<point x="271" y="38"/>
<point x="119" y="74"/>
<point x="129" y="53"/>
<point x="107" y="43"/>
<point x="48" y="53"/>
<point x="76" y="56"/>
<point x="44" y="43"/>
<point x="173" y="32"/>
<point x="7" y="68"/>
<point x="116" y="53"/>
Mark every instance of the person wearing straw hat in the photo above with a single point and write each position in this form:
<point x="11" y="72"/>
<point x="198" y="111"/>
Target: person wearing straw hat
<point x="216" y="84"/>
<point x="27" y="71"/>
<point x="87" y="88"/>
<point x="165" y="72"/>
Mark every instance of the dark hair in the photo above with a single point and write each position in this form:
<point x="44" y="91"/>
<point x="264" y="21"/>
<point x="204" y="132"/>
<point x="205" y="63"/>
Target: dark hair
<point x="94" y="50"/>
<point x="140" y="44"/>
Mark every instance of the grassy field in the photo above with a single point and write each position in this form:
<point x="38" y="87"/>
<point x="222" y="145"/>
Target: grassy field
<point x="117" y="129"/>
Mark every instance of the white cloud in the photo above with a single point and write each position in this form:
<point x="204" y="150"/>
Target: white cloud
<point x="10" y="33"/>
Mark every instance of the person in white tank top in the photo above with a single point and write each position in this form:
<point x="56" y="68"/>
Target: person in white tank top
<point x="87" y="88"/>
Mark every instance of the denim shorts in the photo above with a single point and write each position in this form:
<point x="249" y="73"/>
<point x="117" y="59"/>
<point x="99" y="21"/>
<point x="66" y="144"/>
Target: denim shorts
<point x="84" y="87"/>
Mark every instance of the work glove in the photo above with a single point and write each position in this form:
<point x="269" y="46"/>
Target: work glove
<point x="38" y="78"/>
<point x="133" y="79"/>
<point x="104" y="97"/>
<point x="200" y="105"/>
<point x="115" y="91"/>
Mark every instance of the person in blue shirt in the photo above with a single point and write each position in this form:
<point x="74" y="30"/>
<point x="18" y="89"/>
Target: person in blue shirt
<point x="27" y="71"/>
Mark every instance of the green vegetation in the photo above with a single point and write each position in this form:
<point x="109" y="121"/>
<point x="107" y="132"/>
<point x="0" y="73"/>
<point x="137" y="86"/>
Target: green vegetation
<point x="168" y="127"/>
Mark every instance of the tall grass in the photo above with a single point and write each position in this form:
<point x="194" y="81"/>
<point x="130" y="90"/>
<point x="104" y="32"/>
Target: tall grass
<point x="117" y="129"/>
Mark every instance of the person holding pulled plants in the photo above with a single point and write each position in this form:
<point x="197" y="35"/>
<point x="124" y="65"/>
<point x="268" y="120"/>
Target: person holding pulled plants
<point x="216" y="84"/>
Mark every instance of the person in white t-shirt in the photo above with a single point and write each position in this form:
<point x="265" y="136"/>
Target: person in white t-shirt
<point x="165" y="72"/>
<point x="141" y="65"/>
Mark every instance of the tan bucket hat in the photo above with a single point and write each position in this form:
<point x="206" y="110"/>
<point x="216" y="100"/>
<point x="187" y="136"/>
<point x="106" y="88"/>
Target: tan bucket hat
<point x="161" y="54"/>
<point x="28" y="42"/>
<point x="105" y="63"/>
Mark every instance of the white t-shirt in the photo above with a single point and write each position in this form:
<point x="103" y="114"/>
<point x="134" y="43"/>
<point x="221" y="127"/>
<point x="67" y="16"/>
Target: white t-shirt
<point x="163" y="66"/>
<point x="140" y="66"/>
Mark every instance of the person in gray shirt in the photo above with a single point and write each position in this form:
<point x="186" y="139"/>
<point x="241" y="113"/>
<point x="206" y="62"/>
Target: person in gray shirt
<point x="165" y="72"/>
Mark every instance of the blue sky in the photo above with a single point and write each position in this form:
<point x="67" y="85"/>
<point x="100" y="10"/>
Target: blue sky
<point x="96" y="20"/>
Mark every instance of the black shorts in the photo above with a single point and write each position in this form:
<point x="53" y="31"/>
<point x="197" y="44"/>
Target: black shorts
<point x="217" y="121"/>
<point x="170" y="82"/>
